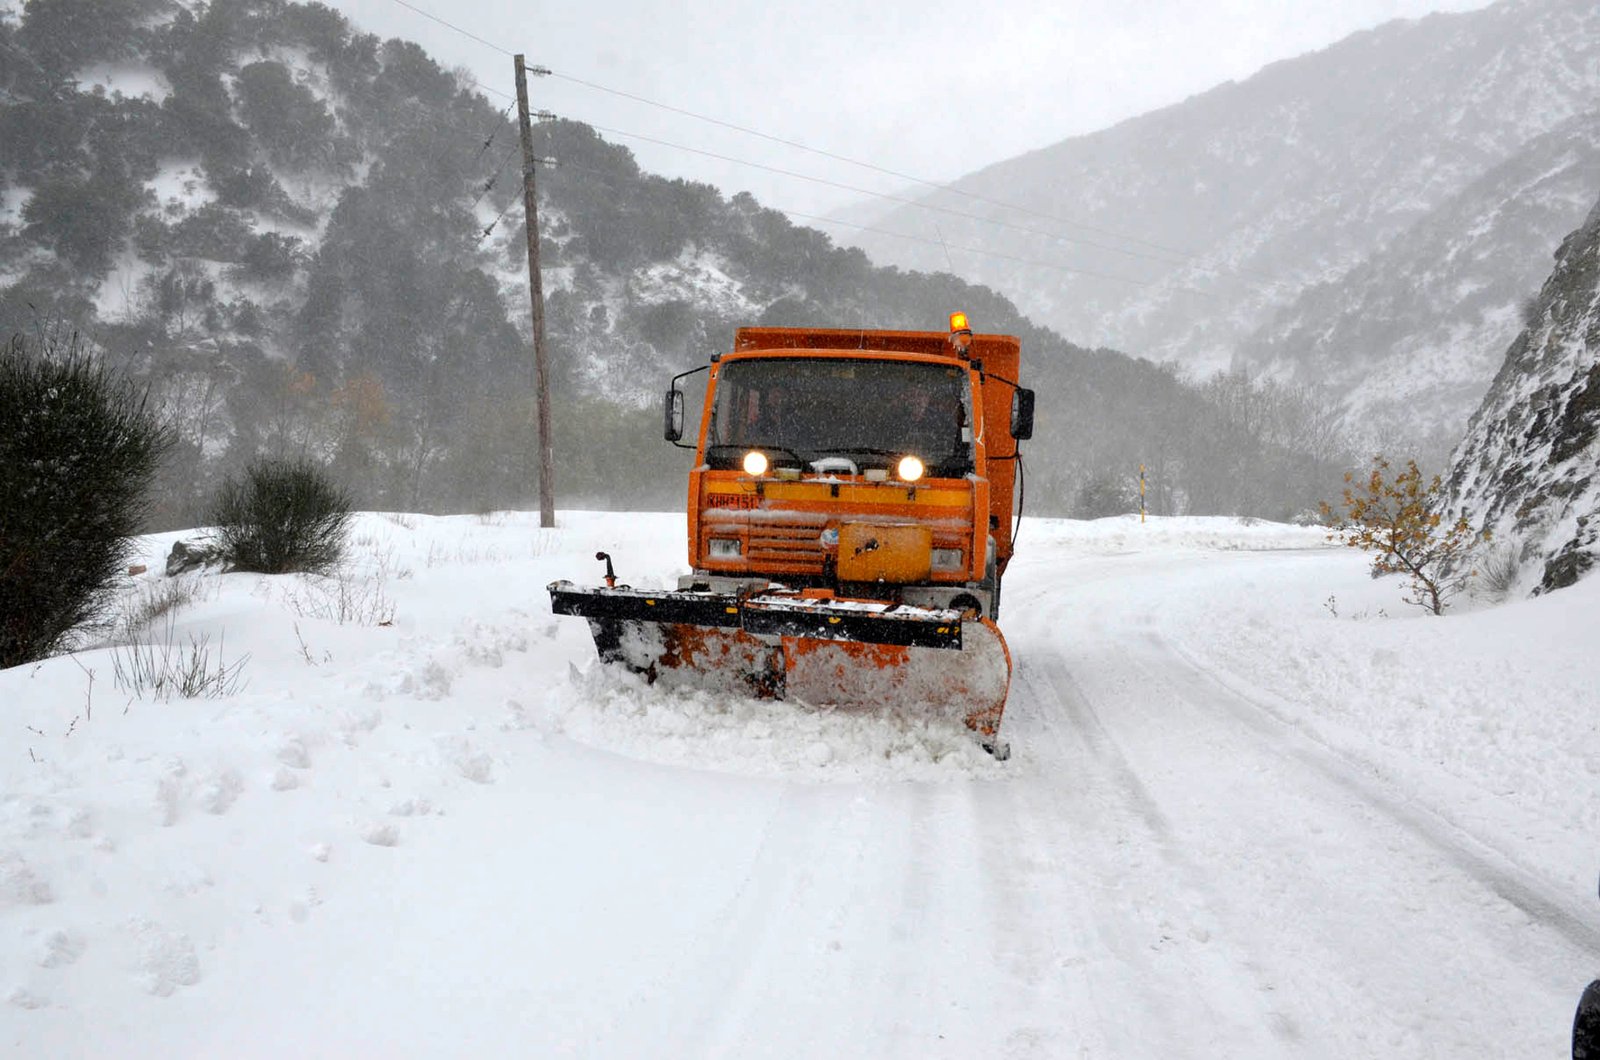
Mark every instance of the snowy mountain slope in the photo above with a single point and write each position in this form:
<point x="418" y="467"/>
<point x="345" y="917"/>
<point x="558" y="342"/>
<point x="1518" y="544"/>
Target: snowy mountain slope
<point x="316" y="235"/>
<point x="1529" y="467"/>
<point x="1228" y="205"/>
<point x="1249" y="814"/>
<point x="1412" y="336"/>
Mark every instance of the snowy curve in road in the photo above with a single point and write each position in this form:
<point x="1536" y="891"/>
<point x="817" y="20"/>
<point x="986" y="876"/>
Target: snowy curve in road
<point x="1256" y="809"/>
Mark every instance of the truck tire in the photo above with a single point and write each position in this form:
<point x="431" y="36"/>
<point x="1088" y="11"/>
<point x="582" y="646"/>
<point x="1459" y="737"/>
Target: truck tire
<point x="1586" y="1025"/>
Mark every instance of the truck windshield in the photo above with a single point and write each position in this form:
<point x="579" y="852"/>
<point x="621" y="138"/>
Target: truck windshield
<point x="871" y="411"/>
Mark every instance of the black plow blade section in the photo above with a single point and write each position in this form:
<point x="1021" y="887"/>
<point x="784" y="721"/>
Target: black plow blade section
<point x="915" y="628"/>
<point x="767" y="615"/>
<point x="694" y="609"/>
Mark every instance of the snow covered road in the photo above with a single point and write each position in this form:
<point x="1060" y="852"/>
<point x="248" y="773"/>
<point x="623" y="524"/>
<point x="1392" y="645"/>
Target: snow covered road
<point x="1254" y="810"/>
<point x="1311" y="904"/>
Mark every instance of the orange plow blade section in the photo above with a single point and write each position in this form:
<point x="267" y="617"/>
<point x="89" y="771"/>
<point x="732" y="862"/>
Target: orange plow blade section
<point x="968" y="684"/>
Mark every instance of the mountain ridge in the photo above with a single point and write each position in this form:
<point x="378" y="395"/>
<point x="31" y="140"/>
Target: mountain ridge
<point x="1413" y="335"/>
<point x="1287" y="178"/>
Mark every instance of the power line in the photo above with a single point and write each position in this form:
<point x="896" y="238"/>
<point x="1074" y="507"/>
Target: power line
<point x="987" y="253"/>
<point x="498" y="172"/>
<point x="496" y="222"/>
<point x="797" y="145"/>
<point x="453" y="26"/>
<point x="885" y="196"/>
<point x="500" y="123"/>
<point x="937" y="185"/>
<point x="922" y="239"/>
<point x="515" y="200"/>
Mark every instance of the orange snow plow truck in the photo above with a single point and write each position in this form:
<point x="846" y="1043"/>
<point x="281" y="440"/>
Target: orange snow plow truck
<point x="850" y="519"/>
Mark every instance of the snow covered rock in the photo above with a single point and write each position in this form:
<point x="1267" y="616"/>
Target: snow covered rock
<point x="190" y="555"/>
<point x="1529" y="468"/>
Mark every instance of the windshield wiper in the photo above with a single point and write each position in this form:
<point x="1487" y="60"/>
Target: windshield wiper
<point x="869" y="450"/>
<point x="764" y="447"/>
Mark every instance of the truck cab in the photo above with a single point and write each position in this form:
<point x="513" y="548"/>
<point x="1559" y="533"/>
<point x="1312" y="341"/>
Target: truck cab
<point x="875" y="464"/>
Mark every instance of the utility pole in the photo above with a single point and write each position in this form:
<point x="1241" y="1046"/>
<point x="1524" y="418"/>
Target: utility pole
<point x="541" y="360"/>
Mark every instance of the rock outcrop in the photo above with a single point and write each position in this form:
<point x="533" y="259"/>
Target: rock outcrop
<point x="1529" y="467"/>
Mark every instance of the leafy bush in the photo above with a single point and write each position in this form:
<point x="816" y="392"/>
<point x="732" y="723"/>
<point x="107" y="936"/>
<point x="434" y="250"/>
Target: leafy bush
<point x="271" y="256"/>
<point x="1398" y="520"/>
<point x="1103" y="494"/>
<point x="213" y="232"/>
<point x="282" y="516"/>
<point x="78" y="449"/>
<point x="288" y="118"/>
<point x="83" y="219"/>
<point x="245" y="188"/>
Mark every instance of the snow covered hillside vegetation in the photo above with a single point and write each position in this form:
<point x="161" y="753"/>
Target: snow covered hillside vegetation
<point x="1529" y="468"/>
<point x="1254" y="810"/>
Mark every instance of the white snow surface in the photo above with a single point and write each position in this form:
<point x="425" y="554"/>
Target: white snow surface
<point x="126" y="79"/>
<point x="1256" y="808"/>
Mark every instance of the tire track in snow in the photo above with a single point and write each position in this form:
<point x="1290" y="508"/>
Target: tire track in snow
<point x="1359" y="925"/>
<point x="831" y="899"/>
<point x="1101" y="806"/>
<point x="1479" y="859"/>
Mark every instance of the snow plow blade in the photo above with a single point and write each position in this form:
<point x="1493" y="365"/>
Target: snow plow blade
<point x="823" y="651"/>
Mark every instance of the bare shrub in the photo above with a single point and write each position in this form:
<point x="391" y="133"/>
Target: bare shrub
<point x="343" y="598"/>
<point x="1529" y="311"/>
<point x="1498" y="572"/>
<point x="168" y="669"/>
<point x="154" y="600"/>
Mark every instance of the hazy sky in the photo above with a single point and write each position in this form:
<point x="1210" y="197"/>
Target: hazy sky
<point x="925" y="87"/>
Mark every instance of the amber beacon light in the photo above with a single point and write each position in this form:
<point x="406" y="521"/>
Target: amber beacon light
<point x="960" y="332"/>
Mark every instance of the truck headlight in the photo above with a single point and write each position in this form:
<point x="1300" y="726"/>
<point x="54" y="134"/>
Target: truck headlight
<point x="755" y="463"/>
<point x="910" y="469"/>
<point x="947" y="558"/>
<point x="725" y="548"/>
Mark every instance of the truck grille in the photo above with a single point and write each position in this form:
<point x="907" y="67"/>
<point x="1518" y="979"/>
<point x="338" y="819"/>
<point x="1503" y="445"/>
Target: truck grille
<point x="794" y="544"/>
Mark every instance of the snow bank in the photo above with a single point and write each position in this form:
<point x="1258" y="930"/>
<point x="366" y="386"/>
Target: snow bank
<point x="1123" y="533"/>
<point x="1485" y="708"/>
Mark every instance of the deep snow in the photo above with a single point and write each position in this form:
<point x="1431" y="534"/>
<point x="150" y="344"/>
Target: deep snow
<point x="1257" y="807"/>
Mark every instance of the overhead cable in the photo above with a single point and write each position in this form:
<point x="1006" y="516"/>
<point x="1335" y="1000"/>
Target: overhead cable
<point x="917" y="204"/>
<point x="799" y="146"/>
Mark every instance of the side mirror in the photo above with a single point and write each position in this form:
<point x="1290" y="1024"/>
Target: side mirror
<point x="1022" y="414"/>
<point x="672" y="415"/>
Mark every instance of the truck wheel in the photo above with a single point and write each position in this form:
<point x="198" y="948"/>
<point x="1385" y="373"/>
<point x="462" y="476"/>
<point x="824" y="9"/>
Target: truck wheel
<point x="1586" y="1025"/>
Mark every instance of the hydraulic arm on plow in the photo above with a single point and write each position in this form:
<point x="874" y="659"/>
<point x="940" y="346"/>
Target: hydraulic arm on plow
<point x="850" y="520"/>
